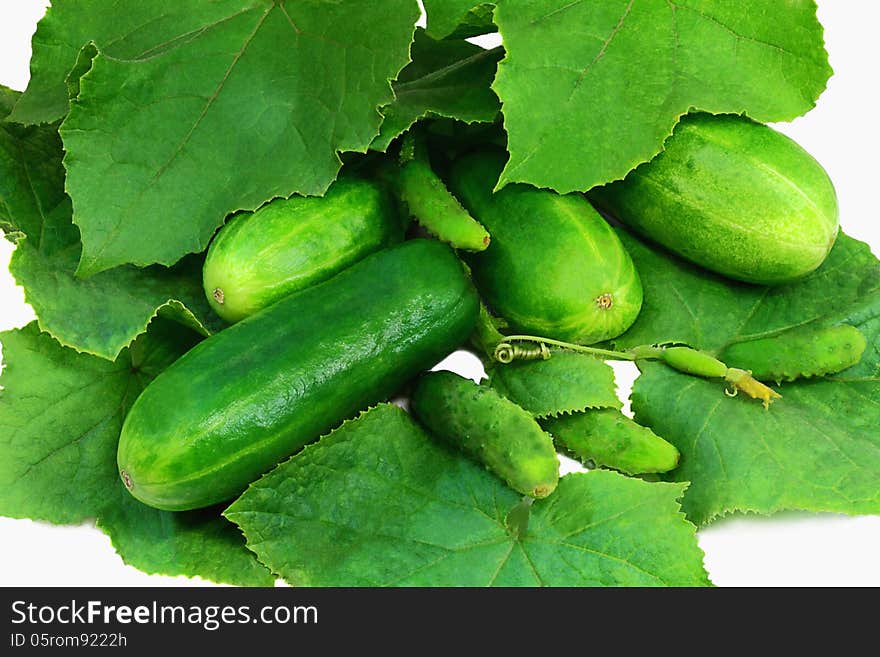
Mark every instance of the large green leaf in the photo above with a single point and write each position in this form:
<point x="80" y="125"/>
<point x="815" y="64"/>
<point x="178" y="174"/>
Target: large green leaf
<point x="60" y="417"/>
<point x="128" y="29"/>
<point x="378" y="503"/>
<point x="252" y="104"/>
<point x="449" y="79"/>
<point x="817" y="448"/>
<point x="100" y="315"/>
<point x="592" y="89"/>
<point x="685" y="303"/>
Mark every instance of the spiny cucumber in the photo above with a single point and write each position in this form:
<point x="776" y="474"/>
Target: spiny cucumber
<point x="607" y="438"/>
<point x="799" y="352"/>
<point x="492" y="429"/>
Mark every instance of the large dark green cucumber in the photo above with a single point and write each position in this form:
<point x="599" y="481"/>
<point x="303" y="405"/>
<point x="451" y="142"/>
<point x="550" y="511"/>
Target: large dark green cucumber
<point x="289" y="244"/>
<point x="491" y="428"/>
<point x="247" y="397"/>
<point x="554" y="267"/>
<point x="733" y="196"/>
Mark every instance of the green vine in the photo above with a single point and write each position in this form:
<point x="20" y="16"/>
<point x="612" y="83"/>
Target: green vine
<point x="681" y="358"/>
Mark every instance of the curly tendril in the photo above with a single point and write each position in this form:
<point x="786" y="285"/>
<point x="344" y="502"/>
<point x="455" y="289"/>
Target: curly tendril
<point x="507" y="353"/>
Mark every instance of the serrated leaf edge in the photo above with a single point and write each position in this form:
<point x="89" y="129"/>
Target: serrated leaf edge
<point x="505" y="179"/>
<point x="677" y="512"/>
<point x="490" y="382"/>
<point x="112" y="356"/>
<point x="255" y="484"/>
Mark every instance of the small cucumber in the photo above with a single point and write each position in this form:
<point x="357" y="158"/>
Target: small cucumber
<point x="691" y="361"/>
<point x="733" y="196"/>
<point x="489" y="427"/>
<point x="608" y="438"/>
<point x="289" y="244"/>
<point x="554" y="267"/>
<point x="247" y="397"/>
<point x="699" y="363"/>
<point x="437" y="210"/>
<point x="799" y="352"/>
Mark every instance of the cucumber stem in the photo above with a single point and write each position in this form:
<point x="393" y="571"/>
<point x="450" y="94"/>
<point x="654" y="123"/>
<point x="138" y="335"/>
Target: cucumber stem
<point x="486" y="335"/>
<point x="517" y="519"/>
<point x="683" y="359"/>
<point x="506" y="347"/>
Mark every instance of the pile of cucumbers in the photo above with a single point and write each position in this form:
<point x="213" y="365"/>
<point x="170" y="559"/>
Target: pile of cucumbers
<point x="340" y="302"/>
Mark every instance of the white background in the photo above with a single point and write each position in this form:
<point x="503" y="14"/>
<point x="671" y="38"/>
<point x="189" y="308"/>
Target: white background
<point x="789" y="549"/>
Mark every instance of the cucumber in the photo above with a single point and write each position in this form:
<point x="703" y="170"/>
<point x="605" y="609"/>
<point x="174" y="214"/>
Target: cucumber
<point x="247" y="397"/>
<point x="693" y="362"/>
<point x="554" y="267"/>
<point x="700" y="363"/>
<point x="608" y="438"/>
<point x="733" y="196"/>
<point x="494" y="430"/>
<point x="437" y="210"/>
<point x="289" y="244"/>
<point x="800" y="352"/>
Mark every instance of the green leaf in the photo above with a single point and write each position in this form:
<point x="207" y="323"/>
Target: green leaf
<point x="378" y="503"/>
<point x="585" y="106"/>
<point x="100" y="315"/>
<point x="31" y="175"/>
<point x="134" y="30"/>
<point x="459" y="18"/>
<point x="865" y="315"/>
<point x="8" y="98"/>
<point x="565" y="383"/>
<point x="60" y="417"/>
<point x="250" y="106"/>
<point x="817" y="448"/>
<point x="198" y="543"/>
<point x="685" y="303"/>
<point x="449" y="79"/>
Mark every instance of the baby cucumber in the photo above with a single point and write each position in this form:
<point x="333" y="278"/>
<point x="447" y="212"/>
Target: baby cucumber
<point x="429" y="201"/>
<point x="700" y="363"/>
<point x="554" y="267"/>
<point x="798" y="353"/>
<point x="289" y="244"/>
<point x="691" y="361"/>
<point x="489" y="427"/>
<point x="607" y="438"/>
<point x="247" y="397"/>
<point x="733" y="196"/>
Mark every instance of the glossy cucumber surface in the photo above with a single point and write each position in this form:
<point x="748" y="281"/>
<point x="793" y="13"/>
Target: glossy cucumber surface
<point x="289" y="244"/>
<point x="554" y="267"/>
<point x="733" y="196"/>
<point x="694" y="362"/>
<point x="247" y="397"/>
<point x="489" y="427"/>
